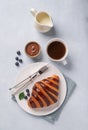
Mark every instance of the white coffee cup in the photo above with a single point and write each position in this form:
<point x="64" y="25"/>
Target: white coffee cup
<point x="57" y="50"/>
<point x="43" y="21"/>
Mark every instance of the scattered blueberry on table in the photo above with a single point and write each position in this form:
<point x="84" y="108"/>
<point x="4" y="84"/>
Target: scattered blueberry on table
<point x="18" y="60"/>
<point x="17" y="64"/>
<point x="18" y="53"/>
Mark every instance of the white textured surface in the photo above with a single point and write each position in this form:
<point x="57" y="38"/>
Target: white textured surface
<point x="70" y="19"/>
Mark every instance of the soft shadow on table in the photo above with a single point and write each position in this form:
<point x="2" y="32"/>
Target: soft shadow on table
<point x="52" y="32"/>
<point x="39" y="59"/>
<point x="68" y="66"/>
<point x="71" y="85"/>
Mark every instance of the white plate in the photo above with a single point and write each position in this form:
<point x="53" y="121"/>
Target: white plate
<point x="51" y="70"/>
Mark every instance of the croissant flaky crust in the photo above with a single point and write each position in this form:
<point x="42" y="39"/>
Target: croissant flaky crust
<point x="44" y="92"/>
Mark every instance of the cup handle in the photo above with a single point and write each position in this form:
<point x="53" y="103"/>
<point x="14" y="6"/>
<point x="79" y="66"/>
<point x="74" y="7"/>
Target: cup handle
<point x="64" y="62"/>
<point x="33" y="12"/>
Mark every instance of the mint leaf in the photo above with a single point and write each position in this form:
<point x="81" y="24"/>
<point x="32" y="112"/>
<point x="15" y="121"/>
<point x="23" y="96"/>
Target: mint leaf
<point x="21" y="96"/>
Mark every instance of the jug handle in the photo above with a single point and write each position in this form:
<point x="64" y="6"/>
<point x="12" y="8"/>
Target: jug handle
<point x="33" y="12"/>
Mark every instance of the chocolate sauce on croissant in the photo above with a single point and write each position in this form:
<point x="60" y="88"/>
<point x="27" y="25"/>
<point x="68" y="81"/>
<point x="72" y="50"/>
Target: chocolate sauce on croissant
<point x="44" y="92"/>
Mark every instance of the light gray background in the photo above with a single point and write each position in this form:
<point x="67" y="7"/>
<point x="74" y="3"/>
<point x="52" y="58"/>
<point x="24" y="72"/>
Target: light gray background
<point x="70" y="19"/>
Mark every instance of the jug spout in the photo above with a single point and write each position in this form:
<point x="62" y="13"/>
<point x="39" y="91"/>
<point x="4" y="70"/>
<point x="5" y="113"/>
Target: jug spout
<point x="48" y="26"/>
<point x="51" y="24"/>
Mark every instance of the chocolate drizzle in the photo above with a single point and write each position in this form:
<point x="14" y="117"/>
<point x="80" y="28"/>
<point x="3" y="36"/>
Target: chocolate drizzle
<point x="45" y="92"/>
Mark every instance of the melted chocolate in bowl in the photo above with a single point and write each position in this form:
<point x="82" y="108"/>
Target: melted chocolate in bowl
<point x="32" y="49"/>
<point x="56" y="50"/>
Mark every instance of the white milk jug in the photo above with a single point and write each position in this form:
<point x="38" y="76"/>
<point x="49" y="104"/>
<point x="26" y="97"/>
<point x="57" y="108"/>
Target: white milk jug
<point x="43" y="21"/>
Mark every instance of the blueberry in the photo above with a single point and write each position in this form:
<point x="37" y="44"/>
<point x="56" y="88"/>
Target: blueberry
<point x="25" y="97"/>
<point x="19" y="53"/>
<point x="27" y="90"/>
<point x="17" y="64"/>
<point x="17" y="58"/>
<point x="28" y="94"/>
<point x="20" y="60"/>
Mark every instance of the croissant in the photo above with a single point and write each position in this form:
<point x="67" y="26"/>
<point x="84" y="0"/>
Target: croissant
<point x="44" y="92"/>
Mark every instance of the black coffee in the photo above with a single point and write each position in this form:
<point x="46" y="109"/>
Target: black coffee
<point x="56" y="50"/>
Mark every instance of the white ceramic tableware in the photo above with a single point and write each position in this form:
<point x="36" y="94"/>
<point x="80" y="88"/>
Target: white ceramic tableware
<point x="55" y="49"/>
<point x="43" y="21"/>
<point x="50" y="71"/>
